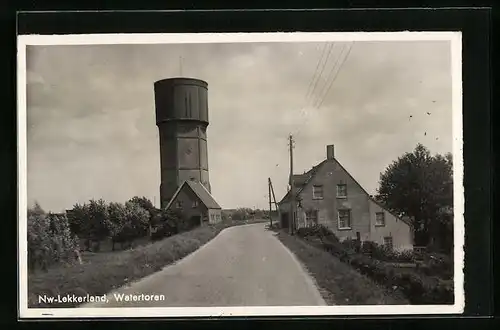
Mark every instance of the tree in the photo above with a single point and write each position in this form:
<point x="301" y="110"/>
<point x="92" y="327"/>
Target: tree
<point x="166" y="223"/>
<point x="143" y="202"/>
<point x="49" y="239"/>
<point x="79" y="223"/>
<point x="64" y="242"/>
<point x="242" y="213"/>
<point x="418" y="185"/>
<point x="117" y="218"/>
<point x="146" y="204"/>
<point x="137" y="218"/>
<point x="36" y="210"/>
<point x="99" y="222"/>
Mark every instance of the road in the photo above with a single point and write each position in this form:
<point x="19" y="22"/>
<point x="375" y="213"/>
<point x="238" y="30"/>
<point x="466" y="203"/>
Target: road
<point x="242" y="266"/>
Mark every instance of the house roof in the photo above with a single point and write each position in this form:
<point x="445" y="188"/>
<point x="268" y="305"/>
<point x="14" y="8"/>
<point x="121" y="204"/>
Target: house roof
<point x="200" y="191"/>
<point x="301" y="180"/>
<point x="312" y="173"/>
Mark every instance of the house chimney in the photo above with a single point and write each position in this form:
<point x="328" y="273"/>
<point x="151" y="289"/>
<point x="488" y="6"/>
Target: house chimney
<point x="330" y="151"/>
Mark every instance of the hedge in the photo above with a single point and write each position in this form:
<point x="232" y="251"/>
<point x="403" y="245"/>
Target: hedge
<point x="417" y="287"/>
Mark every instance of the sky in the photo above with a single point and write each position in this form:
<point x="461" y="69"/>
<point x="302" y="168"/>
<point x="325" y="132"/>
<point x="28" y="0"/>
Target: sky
<point x="91" y="116"/>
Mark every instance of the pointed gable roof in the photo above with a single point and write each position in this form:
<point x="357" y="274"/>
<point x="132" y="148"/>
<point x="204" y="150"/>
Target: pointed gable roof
<point x="312" y="173"/>
<point x="200" y="191"/>
<point x="301" y="180"/>
<point x="206" y="198"/>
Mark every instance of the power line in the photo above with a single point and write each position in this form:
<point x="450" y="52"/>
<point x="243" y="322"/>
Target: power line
<point x="321" y="99"/>
<point x="321" y="72"/>
<point x="334" y="68"/>
<point x="330" y="75"/>
<point x="336" y="75"/>
<point x="316" y="70"/>
<point x="316" y="77"/>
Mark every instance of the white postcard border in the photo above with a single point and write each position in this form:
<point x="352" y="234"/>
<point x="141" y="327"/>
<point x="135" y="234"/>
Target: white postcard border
<point x="92" y="39"/>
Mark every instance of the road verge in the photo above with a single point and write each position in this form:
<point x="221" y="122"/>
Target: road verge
<point x="103" y="272"/>
<point x="339" y="284"/>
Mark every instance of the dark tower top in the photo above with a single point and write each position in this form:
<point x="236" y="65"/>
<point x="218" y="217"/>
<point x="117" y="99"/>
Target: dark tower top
<point x="181" y="99"/>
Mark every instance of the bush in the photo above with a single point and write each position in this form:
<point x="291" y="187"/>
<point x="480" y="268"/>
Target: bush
<point x="50" y="239"/>
<point x="319" y="231"/>
<point x="406" y="256"/>
<point x="108" y="271"/>
<point x="415" y="287"/>
<point x="381" y="252"/>
<point x="165" y="224"/>
<point x="352" y="244"/>
<point x="436" y="265"/>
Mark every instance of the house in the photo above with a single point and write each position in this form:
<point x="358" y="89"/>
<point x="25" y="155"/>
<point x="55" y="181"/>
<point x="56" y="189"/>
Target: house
<point x="328" y="195"/>
<point x="194" y="201"/>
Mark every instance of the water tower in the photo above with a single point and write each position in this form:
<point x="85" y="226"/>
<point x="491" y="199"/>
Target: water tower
<point x="182" y="120"/>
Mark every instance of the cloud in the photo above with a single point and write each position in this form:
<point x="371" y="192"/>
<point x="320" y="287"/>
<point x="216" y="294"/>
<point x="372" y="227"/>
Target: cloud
<point x="91" y="121"/>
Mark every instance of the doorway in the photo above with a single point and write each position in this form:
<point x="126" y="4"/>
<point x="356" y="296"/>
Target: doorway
<point x="284" y="220"/>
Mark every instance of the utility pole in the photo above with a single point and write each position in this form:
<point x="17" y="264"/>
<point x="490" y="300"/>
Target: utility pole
<point x="274" y="199"/>
<point x="292" y="189"/>
<point x="270" y="207"/>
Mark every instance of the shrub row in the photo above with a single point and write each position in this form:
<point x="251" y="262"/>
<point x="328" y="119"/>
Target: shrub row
<point x="108" y="271"/>
<point x="319" y="231"/>
<point x="50" y="240"/>
<point x="381" y="252"/>
<point x="417" y="287"/>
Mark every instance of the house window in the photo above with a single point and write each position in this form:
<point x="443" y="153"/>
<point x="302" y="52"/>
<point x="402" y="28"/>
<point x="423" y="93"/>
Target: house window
<point x="380" y="219"/>
<point x="311" y="217"/>
<point x="179" y="204"/>
<point x="344" y="219"/>
<point x="195" y="204"/>
<point x="341" y="191"/>
<point x="317" y="192"/>
<point x="212" y="217"/>
<point x="388" y="242"/>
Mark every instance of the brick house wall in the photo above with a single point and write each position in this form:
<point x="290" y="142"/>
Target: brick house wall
<point x="190" y="205"/>
<point x="363" y="210"/>
<point x="214" y="216"/>
<point x="400" y="232"/>
<point x="329" y="175"/>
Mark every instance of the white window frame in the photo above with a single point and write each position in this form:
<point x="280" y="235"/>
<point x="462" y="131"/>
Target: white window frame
<point x="391" y="245"/>
<point x="350" y="219"/>
<point x="377" y="223"/>
<point x="179" y="204"/>
<point x="314" y="191"/>
<point x="195" y="204"/>
<point x="309" y="218"/>
<point x="337" y="191"/>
